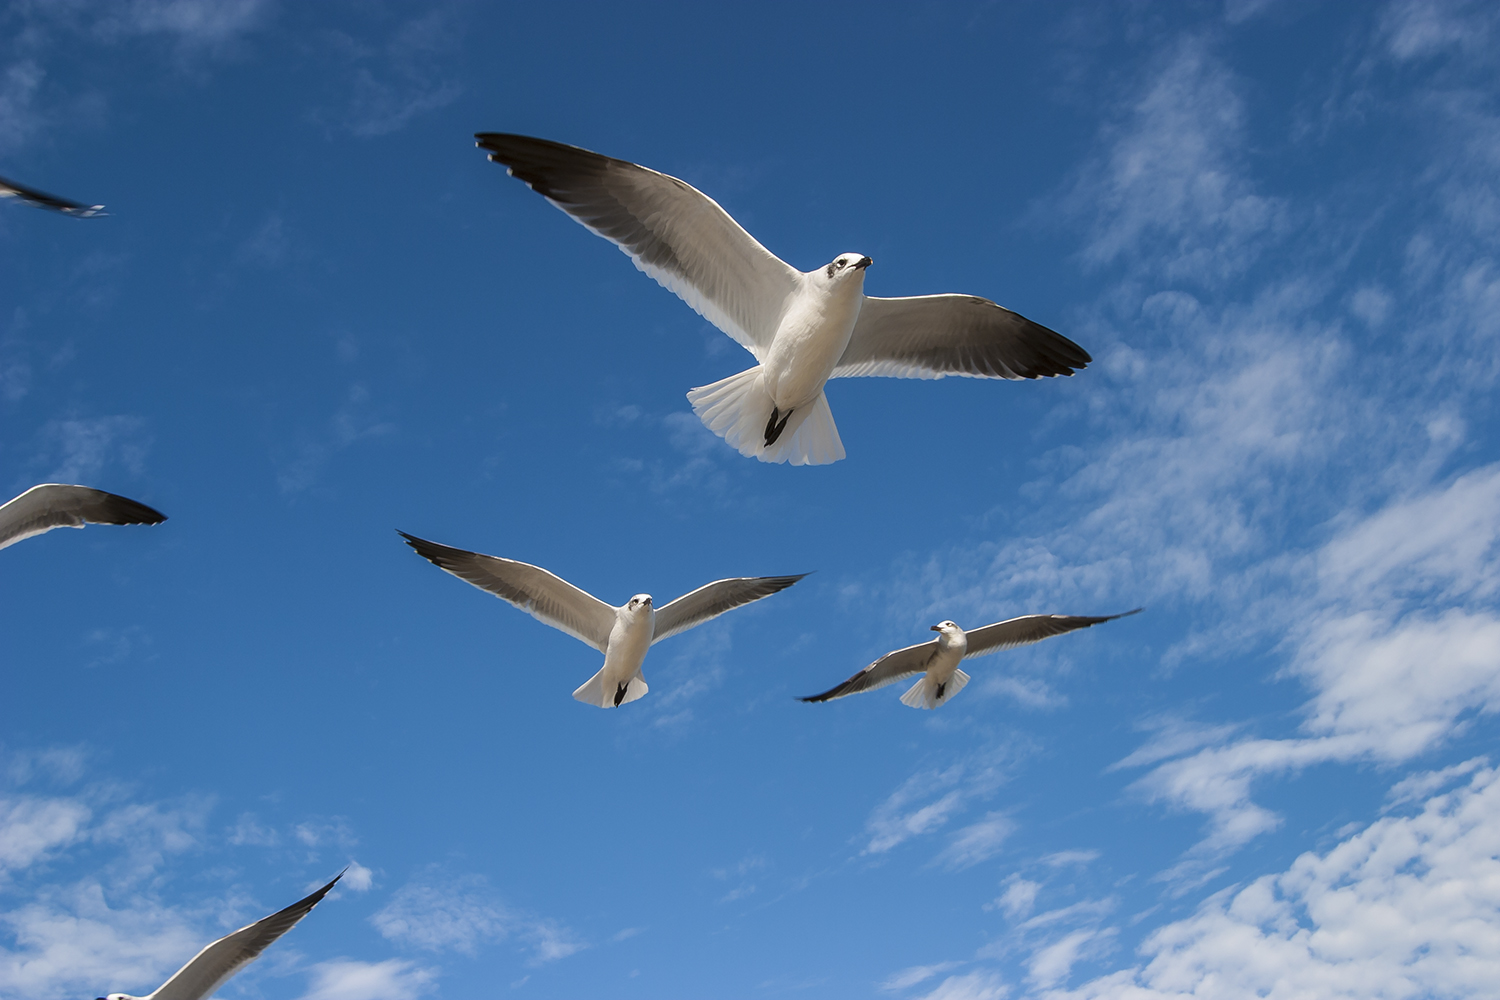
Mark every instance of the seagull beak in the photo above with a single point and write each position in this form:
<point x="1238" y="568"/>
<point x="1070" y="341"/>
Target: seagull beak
<point x="935" y="628"/>
<point x="863" y="263"/>
<point x="647" y="602"/>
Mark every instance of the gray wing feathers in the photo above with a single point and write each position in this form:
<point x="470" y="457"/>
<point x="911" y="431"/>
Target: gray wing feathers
<point x="713" y="599"/>
<point x="543" y="595"/>
<point x="930" y="336"/>
<point x="41" y="199"/>
<point x="56" y="505"/>
<point x="1028" y="629"/>
<point x="887" y="670"/>
<point x="673" y="232"/>
<point x="214" y="965"/>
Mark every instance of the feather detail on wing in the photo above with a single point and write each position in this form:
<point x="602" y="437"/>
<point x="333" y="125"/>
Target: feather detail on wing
<point x="543" y="595"/>
<point x="887" y="670"/>
<point x="930" y="336"/>
<point x="57" y="505"/>
<point x="713" y="599"/>
<point x="1028" y="629"/>
<point x="671" y="230"/>
<point x="41" y="199"/>
<point x="215" y="964"/>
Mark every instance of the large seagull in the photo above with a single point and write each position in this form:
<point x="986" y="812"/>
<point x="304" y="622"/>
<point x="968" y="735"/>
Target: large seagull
<point x="58" y="505"/>
<point x="937" y="659"/>
<point x="622" y="634"/>
<point x="802" y="327"/>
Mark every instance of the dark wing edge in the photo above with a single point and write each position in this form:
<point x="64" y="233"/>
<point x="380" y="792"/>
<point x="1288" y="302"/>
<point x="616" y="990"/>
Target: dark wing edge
<point x="932" y="336"/>
<point x="212" y="967"/>
<point x="714" y="599"/>
<point x="42" y="199"/>
<point x="60" y="505"/>
<point x="1027" y="629"/>
<point x="470" y="567"/>
<point x="593" y="190"/>
<point x="889" y="669"/>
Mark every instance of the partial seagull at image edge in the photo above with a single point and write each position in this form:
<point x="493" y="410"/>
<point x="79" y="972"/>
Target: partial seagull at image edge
<point x="803" y="328"/>
<point x="622" y="634"/>
<point x="938" y="659"/>
<point x="58" y="505"/>
<point x="216" y="964"/>
<point x="41" y="199"/>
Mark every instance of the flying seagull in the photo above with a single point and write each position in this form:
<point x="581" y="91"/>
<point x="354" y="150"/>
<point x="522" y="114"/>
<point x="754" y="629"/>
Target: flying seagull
<point x="802" y="327"/>
<point x="938" y="659"/>
<point x="55" y="505"/>
<point x="213" y="966"/>
<point x="41" y="199"/>
<point x="622" y="634"/>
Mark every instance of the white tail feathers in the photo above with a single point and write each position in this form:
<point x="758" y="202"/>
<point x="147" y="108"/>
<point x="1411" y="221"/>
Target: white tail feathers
<point x="592" y="691"/>
<point x="738" y="408"/>
<point x="924" y="693"/>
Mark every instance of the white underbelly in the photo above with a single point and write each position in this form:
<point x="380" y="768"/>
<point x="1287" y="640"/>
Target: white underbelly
<point x="805" y="351"/>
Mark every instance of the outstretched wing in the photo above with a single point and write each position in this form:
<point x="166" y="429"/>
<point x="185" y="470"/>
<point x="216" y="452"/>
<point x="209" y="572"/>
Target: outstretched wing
<point x="41" y="199"/>
<point x="887" y="670"/>
<point x="674" y="232"/>
<point x="713" y="599"/>
<point x="56" y="505"/>
<point x="543" y="595"/>
<point x="1028" y="629"/>
<point x="214" y="965"/>
<point x="930" y="336"/>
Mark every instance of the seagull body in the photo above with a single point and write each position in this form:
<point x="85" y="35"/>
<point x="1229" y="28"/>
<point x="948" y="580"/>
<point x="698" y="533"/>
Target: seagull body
<point x="937" y="660"/>
<point x="56" y="505"/>
<point x="803" y="328"/>
<point x="41" y="199"/>
<point x="623" y="634"/>
<point x="213" y="966"/>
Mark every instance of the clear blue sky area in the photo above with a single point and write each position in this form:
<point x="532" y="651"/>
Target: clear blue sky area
<point x="316" y="314"/>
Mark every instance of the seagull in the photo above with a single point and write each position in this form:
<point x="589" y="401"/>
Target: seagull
<point x="55" y="505"/>
<point x="803" y="328"/>
<point x="213" y="966"/>
<point x="622" y="634"/>
<point x="938" y="658"/>
<point x="41" y="199"/>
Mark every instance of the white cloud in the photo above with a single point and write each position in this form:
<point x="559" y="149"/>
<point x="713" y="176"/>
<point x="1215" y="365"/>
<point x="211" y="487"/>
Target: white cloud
<point x="916" y="974"/>
<point x="1408" y="907"/>
<point x="81" y="449"/>
<point x="927" y="800"/>
<point x="31" y="828"/>
<point x="191" y="22"/>
<point x="358" y="878"/>
<point x="348" y="979"/>
<point x="977" y="842"/>
<point x="462" y="914"/>
<point x="971" y="986"/>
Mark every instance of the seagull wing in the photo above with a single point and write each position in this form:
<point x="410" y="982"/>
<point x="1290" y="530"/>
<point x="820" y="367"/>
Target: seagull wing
<point x="674" y="232"/>
<point x="1028" y="629"/>
<point x="887" y="670"/>
<point x="55" y="505"/>
<point x="930" y="336"/>
<point x="214" y="965"/>
<point x="41" y="199"/>
<point x="543" y="595"/>
<point x="713" y="599"/>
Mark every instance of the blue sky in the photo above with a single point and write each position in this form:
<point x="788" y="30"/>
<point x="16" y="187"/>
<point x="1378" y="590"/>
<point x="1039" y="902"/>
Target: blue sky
<point x="316" y="315"/>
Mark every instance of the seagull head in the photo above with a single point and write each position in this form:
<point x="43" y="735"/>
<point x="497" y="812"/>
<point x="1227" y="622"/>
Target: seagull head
<point x="846" y="265"/>
<point x="639" y="603"/>
<point x="947" y="628"/>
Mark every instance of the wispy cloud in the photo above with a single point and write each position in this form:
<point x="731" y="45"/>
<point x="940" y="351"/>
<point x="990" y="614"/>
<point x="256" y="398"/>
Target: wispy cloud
<point x="926" y="801"/>
<point x="438" y="913"/>
<point x="350" y="979"/>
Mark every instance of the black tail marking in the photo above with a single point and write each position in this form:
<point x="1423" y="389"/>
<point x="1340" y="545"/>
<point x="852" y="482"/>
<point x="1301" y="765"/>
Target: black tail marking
<point x="620" y="693"/>
<point x="773" y="428"/>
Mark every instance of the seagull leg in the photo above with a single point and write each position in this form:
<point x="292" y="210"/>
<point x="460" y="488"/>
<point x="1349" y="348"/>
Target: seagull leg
<point x="940" y="690"/>
<point x="620" y="693"/>
<point x="773" y="428"/>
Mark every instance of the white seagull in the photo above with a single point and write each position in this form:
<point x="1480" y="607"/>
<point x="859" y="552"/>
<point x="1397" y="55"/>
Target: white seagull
<point x="622" y="634"/>
<point x="55" y="505"/>
<point x="213" y="966"/>
<point x="802" y="327"/>
<point x="41" y="199"/>
<point x="938" y="658"/>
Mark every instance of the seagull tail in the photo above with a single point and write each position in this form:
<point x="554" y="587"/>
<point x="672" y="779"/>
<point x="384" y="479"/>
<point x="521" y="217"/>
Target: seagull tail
<point x="924" y="693"/>
<point x="592" y="691"/>
<point x="738" y="408"/>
